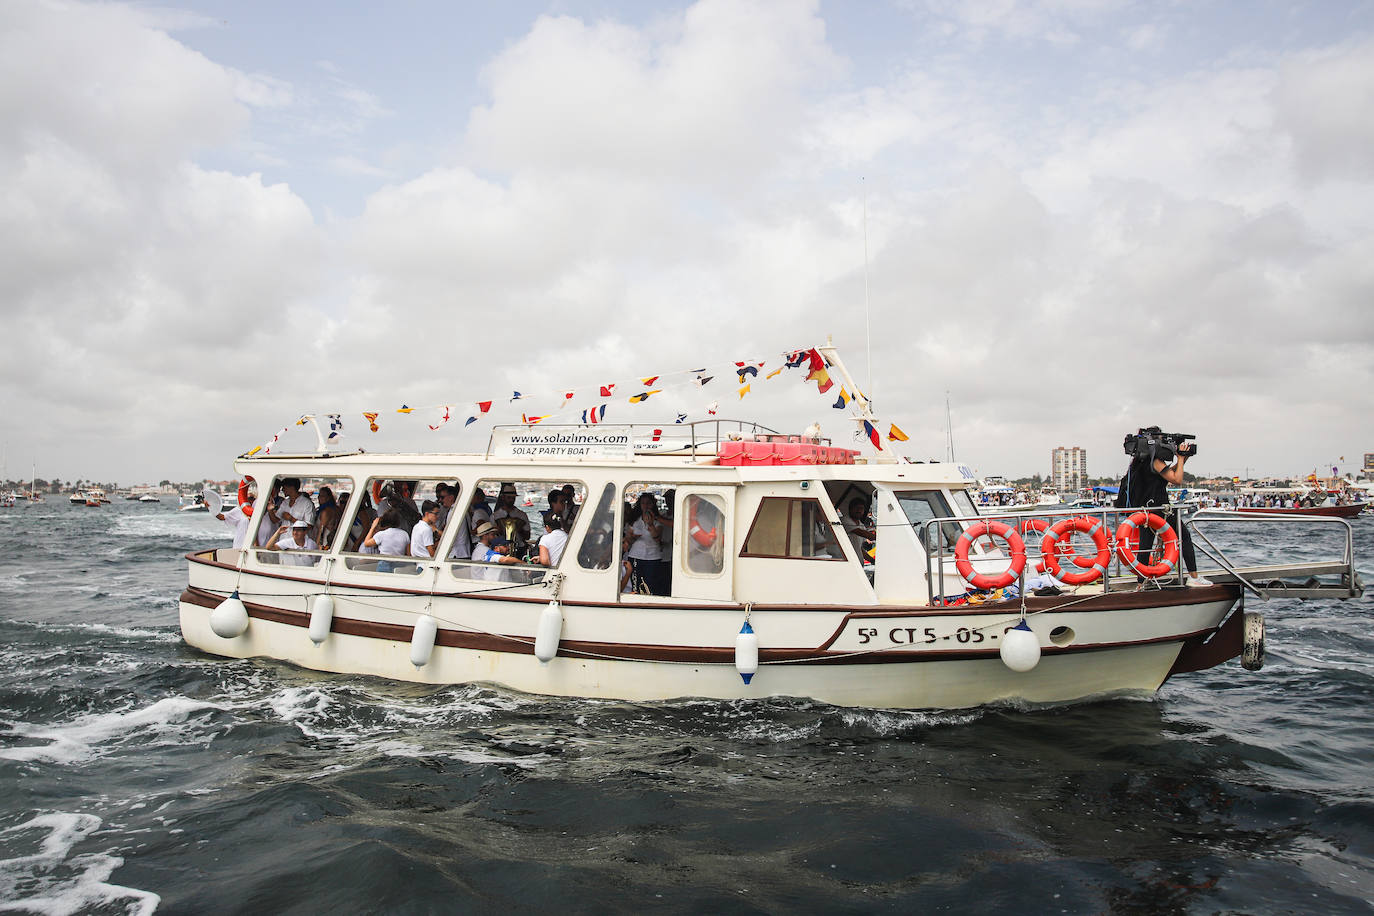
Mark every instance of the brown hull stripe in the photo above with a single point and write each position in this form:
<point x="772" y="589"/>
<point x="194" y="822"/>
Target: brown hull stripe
<point x="1115" y="601"/>
<point x="706" y="655"/>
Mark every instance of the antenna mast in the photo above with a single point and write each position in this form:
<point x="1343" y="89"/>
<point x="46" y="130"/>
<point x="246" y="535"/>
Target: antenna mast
<point x="868" y="315"/>
<point x="949" y="427"/>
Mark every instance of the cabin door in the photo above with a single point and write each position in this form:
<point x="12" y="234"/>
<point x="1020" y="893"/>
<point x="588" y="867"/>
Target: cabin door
<point x="703" y="543"/>
<point x="899" y="573"/>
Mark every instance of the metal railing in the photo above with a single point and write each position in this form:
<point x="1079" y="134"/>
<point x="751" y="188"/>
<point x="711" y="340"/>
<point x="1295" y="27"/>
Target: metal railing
<point x="1349" y="578"/>
<point x="939" y="550"/>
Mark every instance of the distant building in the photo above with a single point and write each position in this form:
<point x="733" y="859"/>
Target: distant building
<point x="1369" y="462"/>
<point x="1069" y="469"/>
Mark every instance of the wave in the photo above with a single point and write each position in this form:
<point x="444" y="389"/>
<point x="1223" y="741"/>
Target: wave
<point x="52" y="880"/>
<point x="171" y="721"/>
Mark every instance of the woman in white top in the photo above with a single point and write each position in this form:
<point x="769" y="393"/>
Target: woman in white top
<point x="646" y="553"/>
<point x="389" y="538"/>
<point x="554" y="541"/>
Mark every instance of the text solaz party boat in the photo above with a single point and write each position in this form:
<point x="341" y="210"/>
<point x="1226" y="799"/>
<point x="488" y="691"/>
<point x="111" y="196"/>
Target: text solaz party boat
<point x="763" y="578"/>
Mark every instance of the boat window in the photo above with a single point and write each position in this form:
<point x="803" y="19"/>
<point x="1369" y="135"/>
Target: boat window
<point x="319" y="502"/>
<point x="599" y="540"/>
<point x="962" y="504"/>
<point x="390" y="512"/>
<point x="705" y="535"/>
<point x="647" y="559"/>
<point x="518" y="508"/>
<point x="795" y="529"/>
<point x="924" y="505"/>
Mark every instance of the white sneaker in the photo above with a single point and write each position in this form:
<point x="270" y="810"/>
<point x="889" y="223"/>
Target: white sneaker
<point x="1199" y="582"/>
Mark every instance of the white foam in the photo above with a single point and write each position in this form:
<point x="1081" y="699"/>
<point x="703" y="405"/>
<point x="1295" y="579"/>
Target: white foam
<point x="165" y="722"/>
<point x="168" y="526"/>
<point x="58" y="885"/>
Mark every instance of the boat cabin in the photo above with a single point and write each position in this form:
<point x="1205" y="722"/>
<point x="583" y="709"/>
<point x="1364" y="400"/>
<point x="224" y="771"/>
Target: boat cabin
<point x="754" y="518"/>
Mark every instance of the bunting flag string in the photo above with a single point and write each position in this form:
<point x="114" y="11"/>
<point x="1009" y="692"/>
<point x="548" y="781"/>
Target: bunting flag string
<point x="842" y="400"/>
<point x="747" y="371"/>
<point x="872" y="433"/>
<point x="896" y="435"/>
<point x="443" y="420"/>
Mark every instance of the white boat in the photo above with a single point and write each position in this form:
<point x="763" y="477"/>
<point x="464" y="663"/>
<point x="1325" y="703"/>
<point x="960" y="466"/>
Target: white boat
<point x="192" y="502"/>
<point x="765" y="593"/>
<point x="149" y="498"/>
<point x="89" y="496"/>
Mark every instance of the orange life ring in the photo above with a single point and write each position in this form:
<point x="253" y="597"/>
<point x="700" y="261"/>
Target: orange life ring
<point x="1015" y="546"/>
<point x="1052" y="548"/>
<point x="246" y="501"/>
<point x="1127" y="538"/>
<point x="703" y="537"/>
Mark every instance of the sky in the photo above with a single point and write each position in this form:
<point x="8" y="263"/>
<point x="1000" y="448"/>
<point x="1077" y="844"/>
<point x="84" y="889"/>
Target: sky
<point x="1066" y="219"/>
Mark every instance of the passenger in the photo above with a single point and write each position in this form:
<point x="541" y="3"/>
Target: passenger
<point x="495" y="552"/>
<point x="1146" y="484"/>
<point x="327" y="520"/>
<point x="239" y="522"/>
<point x="666" y="541"/>
<point x="362" y="524"/>
<point x="505" y="509"/>
<point x="646" y="553"/>
<point x="389" y="538"/>
<point x="858" y="527"/>
<point x="295" y="506"/>
<point x="274" y="501"/>
<point x="299" y="539"/>
<point x="554" y="541"/>
<point x="555" y="499"/>
<point x="423" y="533"/>
<point x="442" y="490"/>
<point x="479" y="512"/>
<point x="570" y="506"/>
<point x="462" y="541"/>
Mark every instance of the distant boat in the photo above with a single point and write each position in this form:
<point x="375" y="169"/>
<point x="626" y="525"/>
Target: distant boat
<point x="1350" y="510"/>
<point x="149" y="498"/>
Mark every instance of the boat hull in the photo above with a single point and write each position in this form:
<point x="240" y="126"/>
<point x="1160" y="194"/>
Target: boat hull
<point x="1348" y="511"/>
<point x="911" y="658"/>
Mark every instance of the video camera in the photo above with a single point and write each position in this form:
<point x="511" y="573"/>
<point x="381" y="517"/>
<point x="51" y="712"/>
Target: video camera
<point x="1150" y="442"/>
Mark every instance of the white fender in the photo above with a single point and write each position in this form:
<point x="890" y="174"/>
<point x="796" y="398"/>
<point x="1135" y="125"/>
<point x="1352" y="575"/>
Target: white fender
<point x="422" y="640"/>
<point x="1252" y="641"/>
<point x="321" y="618"/>
<point x="549" y="632"/>
<point x="746" y="652"/>
<point x="1020" y="648"/>
<point x="230" y="618"/>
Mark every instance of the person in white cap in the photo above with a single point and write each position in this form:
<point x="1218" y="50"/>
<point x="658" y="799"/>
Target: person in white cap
<point x="299" y="539"/>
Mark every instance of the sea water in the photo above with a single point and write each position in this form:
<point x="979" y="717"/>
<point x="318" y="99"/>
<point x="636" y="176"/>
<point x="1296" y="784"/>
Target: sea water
<point x="138" y="775"/>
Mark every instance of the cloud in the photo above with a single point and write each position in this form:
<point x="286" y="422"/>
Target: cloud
<point x="1322" y="101"/>
<point x="1190" y="248"/>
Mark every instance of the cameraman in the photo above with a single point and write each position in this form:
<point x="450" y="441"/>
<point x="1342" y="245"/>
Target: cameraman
<point x="1146" y="485"/>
